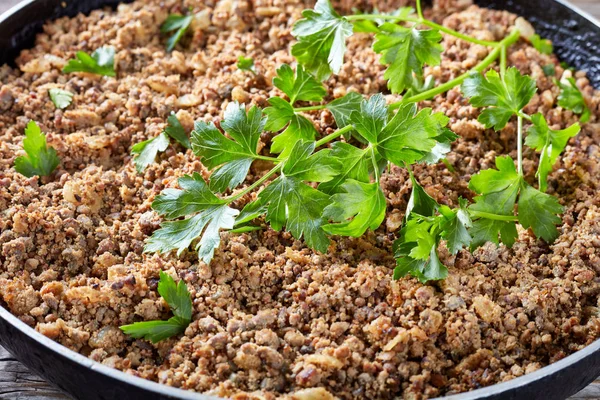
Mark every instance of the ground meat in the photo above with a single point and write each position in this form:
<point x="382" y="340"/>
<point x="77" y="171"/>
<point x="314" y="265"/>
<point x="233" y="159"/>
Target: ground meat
<point x="271" y="315"/>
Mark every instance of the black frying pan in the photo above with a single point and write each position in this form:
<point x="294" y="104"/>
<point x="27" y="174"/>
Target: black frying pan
<point x="576" y="40"/>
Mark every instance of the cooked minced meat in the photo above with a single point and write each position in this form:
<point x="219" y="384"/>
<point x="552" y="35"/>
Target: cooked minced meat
<point x="272" y="317"/>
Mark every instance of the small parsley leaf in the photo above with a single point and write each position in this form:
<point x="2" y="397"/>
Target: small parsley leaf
<point x="40" y="160"/>
<point x="503" y="97"/>
<point x="178" y="23"/>
<point x="101" y="62"/>
<point x="213" y="215"/>
<point x="539" y="211"/>
<point x="300" y="86"/>
<point x="455" y="225"/>
<point x="145" y="152"/>
<point x="246" y="64"/>
<point x="343" y="107"/>
<point x="406" y="51"/>
<point x="61" y="98"/>
<point x="298" y="127"/>
<point x="178" y="298"/>
<point x="544" y="46"/>
<point x="549" y="143"/>
<point x="570" y="98"/>
<point x="321" y="38"/>
<point x="362" y="206"/>
<point x="409" y="135"/>
<point x="420" y="202"/>
<point x="354" y="164"/>
<point x="215" y="149"/>
<point x="416" y="250"/>
<point x="175" y="130"/>
<point x="497" y="193"/>
<point x="298" y="207"/>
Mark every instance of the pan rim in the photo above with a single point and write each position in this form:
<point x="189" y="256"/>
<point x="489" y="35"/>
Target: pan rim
<point x="172" y="392"/>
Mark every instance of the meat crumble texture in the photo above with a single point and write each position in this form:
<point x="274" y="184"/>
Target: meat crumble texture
<point x="271" y="317"/>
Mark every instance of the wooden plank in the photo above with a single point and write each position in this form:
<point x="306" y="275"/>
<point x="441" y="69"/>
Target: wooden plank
<point x="16" y="382"/>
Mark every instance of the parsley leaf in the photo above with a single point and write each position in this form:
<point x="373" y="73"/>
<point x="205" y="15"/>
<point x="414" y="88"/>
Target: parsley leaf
<point x="371" y="118"/>
<point x="178" y="23"/>
<point x="246" y="64"/>
<point x="544" y="46"/>
<point x="215" y="149"/>
<point x="175" y="130"/>
<point x="155" y="331"/>
<point x="416" y="250"/>
<point x="455" y="225"/>
<point x="61" y="98"/>
<point x="354" y="164"/>
<point x="538" y="211"/>
<point x="299" y="207"/>
<point x="40" y="160"/>
<point x="299" y="87"/>
<point x="306" y="166"/>
<point x="298" y="127"/>
<point x="147" y="151"/>
<point x="178" y="298"/>
<point x="101" y="62"/>
<point x="420" y="202"/>
<point x="296" y="205"/>
<point x="213" y="215"/>
<point x="362" y="206"/>
<point x="321" y="38"/>
<point x="503" y="97"/>
<point x="343" y="107"/>
<point x="571" y="98"/>
<point x="498" y="190"/>
<point x="409" y="135"/>
<point x="406" y="51"/>
<point x="550" y="143"/>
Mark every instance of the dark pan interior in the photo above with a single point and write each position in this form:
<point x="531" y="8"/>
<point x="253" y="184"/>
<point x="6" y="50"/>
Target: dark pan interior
<point x="577" y="42"/>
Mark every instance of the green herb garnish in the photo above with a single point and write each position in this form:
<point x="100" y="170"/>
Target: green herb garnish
<point x="145" y="152"/>
<point x="101" y="62"/>
<point x="178" y="24"/>
<point x="246" y="64"/>
<point x="544" y="46"/>
<point x="40" y="160"/>
<point x="178" y="298"/>
<point x="61" y="98"/>
<point x="571" y="98"/>
<point x="315" y="192"/>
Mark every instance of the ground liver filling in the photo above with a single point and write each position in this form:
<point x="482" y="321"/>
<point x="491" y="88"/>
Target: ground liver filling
<point x="272" y="317"/>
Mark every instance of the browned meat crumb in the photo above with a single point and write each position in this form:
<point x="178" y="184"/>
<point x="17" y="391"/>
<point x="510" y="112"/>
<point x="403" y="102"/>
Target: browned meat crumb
<point x="272" y="317"/>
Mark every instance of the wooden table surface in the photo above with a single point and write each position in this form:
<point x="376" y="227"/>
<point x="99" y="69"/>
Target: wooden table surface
<point x="16" y="382"/>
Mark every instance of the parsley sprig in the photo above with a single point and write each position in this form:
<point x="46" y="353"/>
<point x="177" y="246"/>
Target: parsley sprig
<point x="40" y="160"/>
<point x="177" y="296"/>
<point x="315" y="192"/>
<point x="100" y="62"/>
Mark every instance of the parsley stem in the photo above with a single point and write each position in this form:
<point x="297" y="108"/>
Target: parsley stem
<point x="525" y="116"/>
<point x="486" y="62"/>
<point x="310" y="108"/>
<point x="374" y="161"/>
<point x="449" y="166"/>
<point x="421" y="20"/>
<point x="333" y="135"/>
<point x="266" y="158"/>
<point x="520" y="144"/>
<point x="419" y="10"/>
<point x="503" y="62"/>
<point x="496" y="217"/>
<point x="256" y="184"/>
